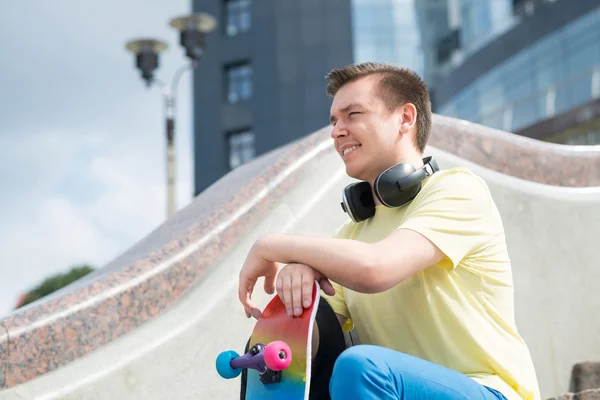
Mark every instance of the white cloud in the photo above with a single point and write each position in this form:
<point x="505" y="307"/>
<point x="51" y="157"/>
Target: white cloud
<point x="63" y="233"/>
<point x="45" y="230"/>
<point x="82" y="157"/>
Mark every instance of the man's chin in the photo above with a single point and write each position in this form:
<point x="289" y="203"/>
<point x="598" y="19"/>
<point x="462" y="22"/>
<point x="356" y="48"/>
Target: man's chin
<point x="354" y="173"/>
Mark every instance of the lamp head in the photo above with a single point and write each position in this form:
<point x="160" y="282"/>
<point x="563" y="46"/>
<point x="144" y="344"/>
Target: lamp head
<point x="146" y="53"/>
<point x="192" y="32"/>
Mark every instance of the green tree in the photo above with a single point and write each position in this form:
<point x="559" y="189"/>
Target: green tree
<point x="54" y="283"/>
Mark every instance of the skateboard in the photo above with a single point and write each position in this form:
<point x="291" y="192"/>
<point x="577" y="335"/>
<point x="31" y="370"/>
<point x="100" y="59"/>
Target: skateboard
<point x="279" y="356"/>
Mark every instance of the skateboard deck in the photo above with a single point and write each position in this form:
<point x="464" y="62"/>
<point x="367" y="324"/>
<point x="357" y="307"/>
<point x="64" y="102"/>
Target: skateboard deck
<point x="284" y="343"/>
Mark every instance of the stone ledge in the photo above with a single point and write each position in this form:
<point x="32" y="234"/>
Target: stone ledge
<point x="585" y="382"/>
<point x="591" y="394"/>
<point x="585" y="376"/>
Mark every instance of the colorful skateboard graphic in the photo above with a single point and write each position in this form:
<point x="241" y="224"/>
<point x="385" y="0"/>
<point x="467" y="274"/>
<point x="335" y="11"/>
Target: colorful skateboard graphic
<point x="278" y="360"/>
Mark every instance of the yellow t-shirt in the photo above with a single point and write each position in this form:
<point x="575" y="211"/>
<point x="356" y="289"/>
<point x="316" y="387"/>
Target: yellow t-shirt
<point x="458" y="313"/>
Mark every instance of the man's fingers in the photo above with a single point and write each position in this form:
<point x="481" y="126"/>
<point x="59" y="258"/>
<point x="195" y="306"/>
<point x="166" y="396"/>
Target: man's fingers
<point x="250" y="309"/>
<point x="287" y="293"/>
<point x="245" y="289"/>
<point x="326" y="286"/>
<point x="279" y="287"/>
<point x="297" y="286"/>
<point x="307" y="291"/>
<point x="270" y="284"/>
<point x="252" y="312"/>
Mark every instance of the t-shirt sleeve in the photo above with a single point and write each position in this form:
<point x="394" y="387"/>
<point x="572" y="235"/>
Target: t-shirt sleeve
<point x="454" y="213"/>
<point x="338" y="301"/>
<point x="338" y="305"/>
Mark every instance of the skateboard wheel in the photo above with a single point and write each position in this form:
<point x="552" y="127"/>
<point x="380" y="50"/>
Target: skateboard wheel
<point x="278" y="355"/>
<point x="224" y="367"/>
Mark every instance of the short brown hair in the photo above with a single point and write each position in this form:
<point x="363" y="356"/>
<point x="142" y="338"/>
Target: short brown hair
<point x="397" y="86"/>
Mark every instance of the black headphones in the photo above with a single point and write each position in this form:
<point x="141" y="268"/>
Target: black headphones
<point x="394" y="187"/>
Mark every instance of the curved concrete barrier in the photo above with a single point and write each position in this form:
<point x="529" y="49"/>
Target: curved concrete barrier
<point x="150" y="324"/>
<point x="518" y="156"/>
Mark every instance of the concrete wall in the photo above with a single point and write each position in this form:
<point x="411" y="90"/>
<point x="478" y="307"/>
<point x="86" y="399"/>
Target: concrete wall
<point x="551" y="238"/>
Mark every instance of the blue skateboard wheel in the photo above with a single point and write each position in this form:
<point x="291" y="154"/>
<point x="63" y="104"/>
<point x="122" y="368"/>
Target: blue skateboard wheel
<point x="224" y="365"/>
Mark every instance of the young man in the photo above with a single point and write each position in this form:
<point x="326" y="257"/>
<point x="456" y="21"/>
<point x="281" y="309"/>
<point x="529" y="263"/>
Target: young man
<point x="427" y="285"/>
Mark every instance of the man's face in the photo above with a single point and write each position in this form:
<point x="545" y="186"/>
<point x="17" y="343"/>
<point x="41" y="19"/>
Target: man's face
<point x="365" y="132"/>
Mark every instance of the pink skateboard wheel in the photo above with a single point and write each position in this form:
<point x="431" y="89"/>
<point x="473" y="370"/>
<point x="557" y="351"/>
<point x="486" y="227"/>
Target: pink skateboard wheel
<point x="278" y="355"/>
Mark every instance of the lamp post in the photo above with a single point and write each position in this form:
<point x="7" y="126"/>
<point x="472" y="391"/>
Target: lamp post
<point x="192" y="37"/>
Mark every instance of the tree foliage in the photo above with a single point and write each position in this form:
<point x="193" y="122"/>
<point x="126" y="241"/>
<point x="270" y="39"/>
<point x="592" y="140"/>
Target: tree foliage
<point x="54" y="283"/>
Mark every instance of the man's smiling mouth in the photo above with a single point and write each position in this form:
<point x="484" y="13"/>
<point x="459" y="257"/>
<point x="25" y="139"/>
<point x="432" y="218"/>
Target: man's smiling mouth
<point x="350" y="150"/>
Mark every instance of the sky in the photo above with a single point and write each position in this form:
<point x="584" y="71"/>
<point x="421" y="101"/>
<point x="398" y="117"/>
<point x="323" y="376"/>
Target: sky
<point x="82" y="143"/>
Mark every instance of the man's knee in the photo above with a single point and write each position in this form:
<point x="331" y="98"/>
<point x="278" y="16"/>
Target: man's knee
<point x="359" y="361"/>
<point x="369" y="357"/>
<point x="356" y="373"/>
<point x="354" y="360"/>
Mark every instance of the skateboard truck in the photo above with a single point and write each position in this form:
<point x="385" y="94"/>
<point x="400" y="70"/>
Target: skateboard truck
<point x="268" y="360"/>
<point x="256" y="354"/>
<point x="255" y="359"/>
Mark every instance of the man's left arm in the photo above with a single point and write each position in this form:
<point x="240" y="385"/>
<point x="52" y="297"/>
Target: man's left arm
<point x="448" y="222"/>
<point x="362" y="267"/>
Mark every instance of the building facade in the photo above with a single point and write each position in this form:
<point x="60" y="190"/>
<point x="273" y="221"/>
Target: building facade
<point x="386" y="31"/>
<point x="261" y="84"/>
<point x="542" y="64"/>
<point x="531" y="67"/>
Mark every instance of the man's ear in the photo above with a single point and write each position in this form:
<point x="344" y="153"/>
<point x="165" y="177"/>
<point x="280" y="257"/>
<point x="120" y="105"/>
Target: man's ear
<point x="408" y="117"/>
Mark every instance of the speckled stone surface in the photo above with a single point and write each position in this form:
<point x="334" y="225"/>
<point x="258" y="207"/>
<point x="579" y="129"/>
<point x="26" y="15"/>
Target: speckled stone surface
<point x="585" y="376"/>
<point x="3" y="354"/>
<point x="143" y="282"/>
<point x="518" y="156"/>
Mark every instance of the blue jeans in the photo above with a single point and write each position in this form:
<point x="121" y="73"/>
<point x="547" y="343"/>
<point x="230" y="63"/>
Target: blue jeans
<point x="370" y="372"/>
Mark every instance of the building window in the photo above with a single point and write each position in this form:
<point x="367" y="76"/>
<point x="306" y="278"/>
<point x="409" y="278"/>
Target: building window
<point x="590" y="138"/>
<point x="447" y="45"/>
<point x="241" y="148"/>
<point x="523" y="8"/>
<point x="238" y="82"/>
<point x="237" y="17"/>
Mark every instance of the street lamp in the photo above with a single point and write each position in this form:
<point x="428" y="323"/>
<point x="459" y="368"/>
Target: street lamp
<point x="192" y="31"/>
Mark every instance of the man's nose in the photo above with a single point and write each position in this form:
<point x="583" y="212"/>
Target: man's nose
<point x="338" y="131"/>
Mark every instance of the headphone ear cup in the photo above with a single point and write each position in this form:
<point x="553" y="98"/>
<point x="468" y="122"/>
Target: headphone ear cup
<point x="398" y="185"/>
<point x="358" y="201"/>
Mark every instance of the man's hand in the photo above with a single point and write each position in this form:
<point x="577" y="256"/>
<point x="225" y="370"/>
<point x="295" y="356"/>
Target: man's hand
<point x="295" y="284"/>
<point x="255" y="266"/>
